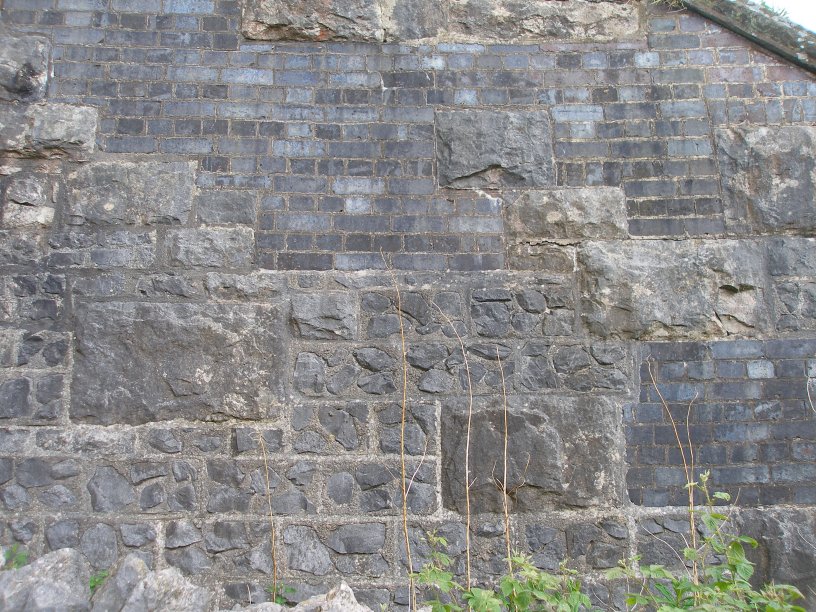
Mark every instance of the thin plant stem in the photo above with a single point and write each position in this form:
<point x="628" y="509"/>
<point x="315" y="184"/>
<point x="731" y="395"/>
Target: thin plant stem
<point x="467" y="442"/>
<point x="688" y="468"/>
<point x="272" y="538"/>
<point x="403" y="470"/>
<point x="505" y="505"/>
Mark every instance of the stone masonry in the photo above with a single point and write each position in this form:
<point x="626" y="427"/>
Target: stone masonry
<point x="221" y="218"/>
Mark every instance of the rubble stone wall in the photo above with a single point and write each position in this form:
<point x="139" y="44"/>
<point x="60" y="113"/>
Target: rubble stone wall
<point x="223" y="221"/>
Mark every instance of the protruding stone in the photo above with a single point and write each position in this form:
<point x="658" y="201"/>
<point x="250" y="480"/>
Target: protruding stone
<point x="167" y="590"/>
<point x="494" y="149"/>
<point x="66" y="586"/>
<point x="23" y="65"/>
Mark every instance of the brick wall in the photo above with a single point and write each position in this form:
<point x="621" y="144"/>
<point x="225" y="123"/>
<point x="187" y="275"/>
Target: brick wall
<point x="201" y="242"/>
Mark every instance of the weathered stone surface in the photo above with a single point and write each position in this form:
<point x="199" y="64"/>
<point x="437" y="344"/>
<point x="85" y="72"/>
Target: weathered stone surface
<point x="567" y="216"/>
<point x="547" y="546"/>
<point x="340" y="487"/>
<point x="494" y="149"/>
<point x="374" y="359"/>
<point x="459" y="20"/>
<point x="768" y="177"/>
<point x="27" y="202"/>
<point x="363" y="538"/>
<point x="211" y="248"/>
<point x="542" y="20"/>
<point x="305" y="552"/>
<point x="313" y="20"/>
<point x="226" y="207"/>
<point x="340" y="424"/>
<point x="426" y="356"/>
<point x="338" y="599"/>
<point x="110" y="491"/>
<point x="23" y="65"/>
<point x="663" y="289"/>
<point x="99" y="545"/>
<point x="138" y="363"/>
<point x="167" y="590"/>
<point x="66" y="586"/>
<point x="48" y="130"/>
<point x="324" y="316"/>
<point x="310" y="374"/>
<point x="785" y="552"/>
<point x="132" y="193"/>
<point x="565" y="450"/>
<point x="191" y="560"/>
<point x="117" y="588"/>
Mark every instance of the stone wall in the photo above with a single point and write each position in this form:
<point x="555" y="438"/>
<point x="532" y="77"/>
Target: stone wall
<point x="207" y="239"/>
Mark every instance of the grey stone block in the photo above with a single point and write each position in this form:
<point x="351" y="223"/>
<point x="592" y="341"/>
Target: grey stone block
<point x="625" y="284"/>
<point x="139" y="363"/>
<point x="557" y="470"/>
<point x="23" y="65"/>
<point x="338" y="20"/>
<point x="768" y="177"/>
<point x="494" y="149"/>
<point x="567" y="216"/>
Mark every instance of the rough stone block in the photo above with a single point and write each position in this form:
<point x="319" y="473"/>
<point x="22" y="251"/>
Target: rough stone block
<point x="507" y="20"/>
<point x="138" y="363"/>
<point x="48" y="130"/>
<point x="665" y="289"/>
<point x="132" y="193"/>
<point x="325" y="316"/>
<point x="494" y="149"/>
<point x="768" y="177"/>
<point x="23" y="65"/>
<point x="567" y="216"/>
<point x="317" y="20"/>
<point x="566" y="451"/>
<point x="211" y="248"/>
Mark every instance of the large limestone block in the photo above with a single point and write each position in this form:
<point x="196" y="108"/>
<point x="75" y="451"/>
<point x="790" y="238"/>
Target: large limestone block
<point x="23" y="65"/>
<point x="768" y="177"/>
<point x="66" y="587"/>
<point x="440" y="20"/>
<point x="543" y="20"/>
<point x="167" y="590"/>
<point x="787" y="539"/>
<point x="562" y="452"/>
<point x="673" y="289"/>
<point x="133" y="193"/>
<point x="567" y="216"/>
<point x="143" y="362"/>
<point x="48" y="130"/>
<point x="359" y="20"/>
<point x="488" y="149"/>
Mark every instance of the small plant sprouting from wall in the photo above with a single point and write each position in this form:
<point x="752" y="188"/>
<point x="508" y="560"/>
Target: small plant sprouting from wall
<point x="716" y="573"/>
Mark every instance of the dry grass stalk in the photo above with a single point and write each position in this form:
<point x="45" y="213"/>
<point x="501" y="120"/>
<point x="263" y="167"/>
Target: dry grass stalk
<point x="505" y="504"/>
<point x="688" y="466"/>
<point x="403" y="471"/>
<point x="272" y="537"/>
<point x="467" y="442"/>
